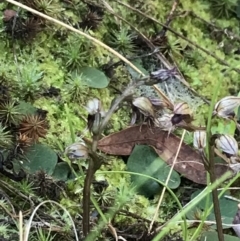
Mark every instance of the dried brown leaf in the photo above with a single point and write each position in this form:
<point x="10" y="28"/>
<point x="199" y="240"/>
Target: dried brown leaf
<point x="189" y="162"/>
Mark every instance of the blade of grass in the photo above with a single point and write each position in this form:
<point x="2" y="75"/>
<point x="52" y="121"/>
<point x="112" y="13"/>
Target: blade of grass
<point x="184" y="224"/>
<point x="166" y="183"/>
<point x="211" y="173"/>
<point x="191" y="204"/>
<point x="28" y="225"/>
<point x="72" y="132"/>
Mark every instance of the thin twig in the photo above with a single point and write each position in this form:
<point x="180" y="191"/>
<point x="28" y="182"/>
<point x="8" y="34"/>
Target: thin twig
<point x="94" y="40"/>
<point x="221" y="61"/>
<point x="20" y="226"/>
<point x="166" y="183"/>
<point x="160" y="56"/>
<point x="224" y="31"/>
<point x="169" y="19"/>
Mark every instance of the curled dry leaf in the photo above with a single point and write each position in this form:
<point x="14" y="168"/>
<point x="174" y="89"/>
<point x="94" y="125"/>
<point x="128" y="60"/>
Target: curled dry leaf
<point x="189" y="162"/>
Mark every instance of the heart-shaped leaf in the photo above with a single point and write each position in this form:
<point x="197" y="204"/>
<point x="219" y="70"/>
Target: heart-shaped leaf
<point x="63" y="172"/>
<point x="228" y="209"/>
<point x="40" y="157"/>
<point x="146" y="161"/>
<point x="93" y="77"/>
<point x="213" y="236"/>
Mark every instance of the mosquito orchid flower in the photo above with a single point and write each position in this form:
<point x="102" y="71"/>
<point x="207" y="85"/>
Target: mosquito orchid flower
<point x="144" y="105"/>
<point x="227" y="144"/>
<point x="77" y="150"/>
<point x="199" y="139"/>
<point x="225" y="107"/>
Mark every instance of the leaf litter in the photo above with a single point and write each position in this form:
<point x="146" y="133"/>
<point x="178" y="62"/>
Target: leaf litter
<point x="189" y="163"/>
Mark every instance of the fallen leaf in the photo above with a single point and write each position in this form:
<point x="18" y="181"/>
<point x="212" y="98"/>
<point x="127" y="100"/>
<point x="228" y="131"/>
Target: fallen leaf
<point x="189" y="162"/>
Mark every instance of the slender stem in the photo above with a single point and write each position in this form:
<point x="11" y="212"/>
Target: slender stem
<point x="129" y="90"/>
<point x="86" y="197"/>
<point x="216" y="205"/>
<point x="210" y="168"/>
<point x="93" y="200"/>
<point x="94" y="162"/>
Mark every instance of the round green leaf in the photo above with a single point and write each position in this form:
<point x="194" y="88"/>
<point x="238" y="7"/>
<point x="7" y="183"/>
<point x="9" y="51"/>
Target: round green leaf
<point x="93" y="77"/>
<point x="138" y="64"/>
<point x="228" y="208"/>
<point x="213" y="236"/>
<point x="40" y="157"/>
<point x="26" y="108"/>
<point x="146" y="161"/>
<point x="62" y="172"/>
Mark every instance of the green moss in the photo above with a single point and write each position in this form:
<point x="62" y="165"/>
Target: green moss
<point x="53" y="56"/>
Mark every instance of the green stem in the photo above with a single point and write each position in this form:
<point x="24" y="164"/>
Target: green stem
<point x="193" y="203"/>
<point x="216" y="205"/>
<point x="210" y="169"/>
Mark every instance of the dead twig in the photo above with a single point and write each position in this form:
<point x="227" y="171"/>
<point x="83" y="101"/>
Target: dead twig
<point x="224" y="31"/>
<point x="166" y="183"/>
<point x="160" y="56"/>
<point x="221" y="61"/>
<point x="169" y="20"/>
